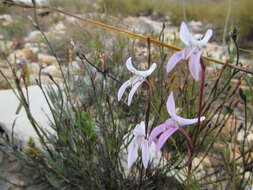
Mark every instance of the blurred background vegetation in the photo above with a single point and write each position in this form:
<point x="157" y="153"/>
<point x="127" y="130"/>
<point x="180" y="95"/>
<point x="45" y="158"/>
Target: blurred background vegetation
<point x="208" y="11"/>
<point x="215" y="12"/>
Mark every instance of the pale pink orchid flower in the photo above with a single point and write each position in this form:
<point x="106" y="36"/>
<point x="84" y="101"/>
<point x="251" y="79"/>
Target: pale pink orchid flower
<point x="139" y="142"/>
<point x="170" y="126"/>
<point x="192" y="52"/>
<point x="135" y="81"/>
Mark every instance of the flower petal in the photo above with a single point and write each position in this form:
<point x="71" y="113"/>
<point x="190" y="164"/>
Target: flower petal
<point x="130" y="66"/>
<point x="206" y="38"/>
<point x="185" y="34"/>
<point x="132" y="153"/>
<point x="149" y="71"/>
<point x="171" y="106"/>
<point x="153" y="152"/>
<point x="133" y="90"/>
<point x="175" y="59"/>
<point x="156" y="132"/>
<point x="144" y="74"/>
<point x="194" y="65"/>
<point x="145" y="153"/>
<point x="163" y="138"/>
<point x="123" y="88"/>
<point x="183" y="121"/>
<point x="139" y="130"/>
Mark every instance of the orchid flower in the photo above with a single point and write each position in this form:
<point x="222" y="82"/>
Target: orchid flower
<point x="192" y="52"/>
<point x="139" y="142"/>
<point x="135" y="81"/>
<point x="166" y="129"/>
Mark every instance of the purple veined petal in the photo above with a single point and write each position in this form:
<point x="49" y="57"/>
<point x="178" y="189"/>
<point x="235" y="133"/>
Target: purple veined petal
<point x="123" y="88"/>
<point x="156" y="132"/>
<point x="206" y="38"/>
<point x="139" y="130"/>
<point x="194" y="65"/>
<point x="145" y="153"/>
<point x="183" y="121"/>
<point x="171" y="107"/>
<point x="133" y="90"/>
<point x="185" y="34"/>
<point x="164" y="137"/>
<point x="174" y="60"/>
<point x="132" y="153"/>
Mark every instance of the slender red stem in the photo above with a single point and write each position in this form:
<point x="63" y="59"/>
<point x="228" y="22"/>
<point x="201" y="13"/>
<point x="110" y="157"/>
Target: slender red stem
<point x="197" y="130"/>
<point x="149" y="94"/>
<point x="201" y="97"/>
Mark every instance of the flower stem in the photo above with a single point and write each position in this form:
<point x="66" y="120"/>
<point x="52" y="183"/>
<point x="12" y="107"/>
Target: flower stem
<point x="197" y="130"/>
<point x="149" y="90"/>
<point x="201" y="97"/>
<point x="190" y="152"/>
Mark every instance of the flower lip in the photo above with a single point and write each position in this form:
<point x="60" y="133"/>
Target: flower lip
<point x="143" y="74"/>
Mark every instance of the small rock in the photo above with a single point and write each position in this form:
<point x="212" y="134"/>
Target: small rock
<point x="34" y="68"/>
<point x="1" y="157"/>
<point x="206" y="162"/>
<point x="59" y="28"/>
<point x="46" y="59"/>
<point x="247" y="175"/>
<point x="34" y="36"/>
<point x="32" y="46"/>
<point x="52" y="70"/>
<point x="16" y="188"/>
<point x="7" y="19"/>
<point x="22" y="55"/>
<point x="23" y="130"/>
<point x="4" y="84"/>
<point x="200" y="170"/>
<point x="229" y="127"/>
<point x="18" y="182"/>
<point x="57" y="31"/>
<point x="143" y="24"/>
<point x="12" y="158"/>
<point x="232" y="153"/>
<point x="248" y="139"/>
<point x="249" y="187"/>
<point x="251" y="156"/>
<point x="6" y="46"/>
<point x="15" y="167"/>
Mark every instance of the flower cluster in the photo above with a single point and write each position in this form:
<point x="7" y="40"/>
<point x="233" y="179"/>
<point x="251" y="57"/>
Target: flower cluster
<point x="160" y="134"/>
